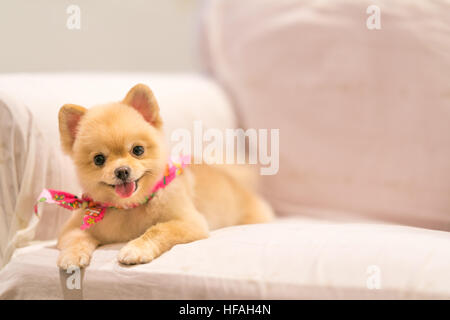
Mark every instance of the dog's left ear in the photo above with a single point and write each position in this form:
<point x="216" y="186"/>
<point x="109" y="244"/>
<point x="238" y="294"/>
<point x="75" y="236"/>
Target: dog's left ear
<point x="141" y="98"/>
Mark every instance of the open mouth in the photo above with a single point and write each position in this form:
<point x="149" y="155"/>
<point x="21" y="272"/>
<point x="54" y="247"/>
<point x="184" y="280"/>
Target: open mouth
<point x="126" y="189"/>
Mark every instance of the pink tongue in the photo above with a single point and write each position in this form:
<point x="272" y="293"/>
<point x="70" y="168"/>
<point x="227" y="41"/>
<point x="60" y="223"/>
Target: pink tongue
<point x="125" y="190"/>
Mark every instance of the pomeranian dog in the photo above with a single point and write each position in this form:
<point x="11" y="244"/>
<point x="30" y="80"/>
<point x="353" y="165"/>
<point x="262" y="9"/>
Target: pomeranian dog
<point x="120" y="153"/>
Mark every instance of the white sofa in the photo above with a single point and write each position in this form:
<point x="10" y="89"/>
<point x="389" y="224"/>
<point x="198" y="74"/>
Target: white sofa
<point x="364" y="181"/>
<point x="292" y="258"/>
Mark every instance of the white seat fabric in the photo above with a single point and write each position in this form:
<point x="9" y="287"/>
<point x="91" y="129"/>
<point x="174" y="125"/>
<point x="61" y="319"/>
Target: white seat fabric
<point x="293" y="258"/>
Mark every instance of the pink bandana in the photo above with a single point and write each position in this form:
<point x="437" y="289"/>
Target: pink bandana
<point x="95" y="211"/>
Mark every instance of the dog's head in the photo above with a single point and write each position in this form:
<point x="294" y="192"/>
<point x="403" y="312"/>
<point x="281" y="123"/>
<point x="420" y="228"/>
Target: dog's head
<point x="118" y="148"/>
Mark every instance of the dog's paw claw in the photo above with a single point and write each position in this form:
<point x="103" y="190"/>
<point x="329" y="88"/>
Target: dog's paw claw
<point x="71" y="259"/>
<point x="135" y="253"/>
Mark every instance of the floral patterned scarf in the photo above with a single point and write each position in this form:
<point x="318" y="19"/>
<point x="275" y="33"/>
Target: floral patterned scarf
<point x="95" y="211"/>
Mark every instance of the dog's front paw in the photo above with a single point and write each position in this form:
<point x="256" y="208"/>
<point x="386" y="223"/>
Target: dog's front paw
<point x="137" y="251"/>
<point x="73" y="258"/>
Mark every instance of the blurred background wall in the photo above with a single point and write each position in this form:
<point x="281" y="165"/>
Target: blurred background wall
<point x="114" y="35"/>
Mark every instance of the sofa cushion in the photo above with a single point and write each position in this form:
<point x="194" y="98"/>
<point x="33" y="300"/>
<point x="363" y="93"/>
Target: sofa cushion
<point x="294" y="258"/>
<point x="363" y="114"/>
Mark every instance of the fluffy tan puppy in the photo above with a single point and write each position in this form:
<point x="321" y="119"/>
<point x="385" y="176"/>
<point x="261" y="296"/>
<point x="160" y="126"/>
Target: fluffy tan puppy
<point x="119" y="154"/>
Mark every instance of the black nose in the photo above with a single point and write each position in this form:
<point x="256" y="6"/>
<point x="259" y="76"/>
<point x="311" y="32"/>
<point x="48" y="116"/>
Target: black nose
<point x="122" y="173"/>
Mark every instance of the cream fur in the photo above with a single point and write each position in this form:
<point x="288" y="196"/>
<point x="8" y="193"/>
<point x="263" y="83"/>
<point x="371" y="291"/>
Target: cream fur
<point x="203" y="198"/>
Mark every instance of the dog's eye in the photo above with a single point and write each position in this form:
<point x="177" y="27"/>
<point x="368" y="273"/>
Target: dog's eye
<point x="99" y="160"/>
<point x="138" y="150"/>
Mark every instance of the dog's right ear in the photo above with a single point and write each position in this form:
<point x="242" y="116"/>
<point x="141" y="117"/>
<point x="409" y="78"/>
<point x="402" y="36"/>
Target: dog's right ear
<point x="69" y="119"/>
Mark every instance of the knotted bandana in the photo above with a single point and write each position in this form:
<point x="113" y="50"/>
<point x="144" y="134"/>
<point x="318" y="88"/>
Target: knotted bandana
<point x="95" y="211"/>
